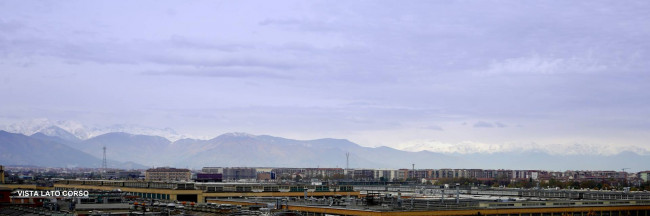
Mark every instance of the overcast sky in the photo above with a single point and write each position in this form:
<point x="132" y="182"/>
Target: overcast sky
<point x="466" y="73"/>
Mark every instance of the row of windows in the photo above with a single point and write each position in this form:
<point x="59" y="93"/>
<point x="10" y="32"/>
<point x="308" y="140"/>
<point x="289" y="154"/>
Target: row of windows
<point x="169" y="175"/>
<point x="150" y="195"/>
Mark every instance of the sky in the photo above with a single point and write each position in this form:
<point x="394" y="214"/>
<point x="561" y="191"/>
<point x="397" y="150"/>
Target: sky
<point x="456" y="76"/>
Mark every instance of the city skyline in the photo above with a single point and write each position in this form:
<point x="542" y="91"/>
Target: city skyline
<point x="455" y="77"/>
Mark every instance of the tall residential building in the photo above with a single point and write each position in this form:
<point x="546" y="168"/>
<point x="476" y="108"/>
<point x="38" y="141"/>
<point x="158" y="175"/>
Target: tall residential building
<point x="644" y="176"/>
<point x="385" y="174"/>
<point x="236" y="173"/>
<point x="364" y="174"/>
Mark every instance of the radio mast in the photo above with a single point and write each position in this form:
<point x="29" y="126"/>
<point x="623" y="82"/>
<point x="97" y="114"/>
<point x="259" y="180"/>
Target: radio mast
<point x="104" y="164"/>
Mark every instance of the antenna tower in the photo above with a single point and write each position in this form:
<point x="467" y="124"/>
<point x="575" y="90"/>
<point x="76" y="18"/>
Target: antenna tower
<point x="347" y="160"/>
<point x="413" y="171"/>
<point x="104" y="165"/>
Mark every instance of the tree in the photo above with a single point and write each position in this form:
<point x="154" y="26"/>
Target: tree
<point x="588" y="184"/>
<point x="338" y="176"/>
<point x="501" y="180"/>
<point x="606" y="186"/>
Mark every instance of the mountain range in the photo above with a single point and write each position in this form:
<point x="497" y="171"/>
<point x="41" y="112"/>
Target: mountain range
<point x="60" y="148"/>
<point x="76" y="130"/>
<point x="48" y="151"/>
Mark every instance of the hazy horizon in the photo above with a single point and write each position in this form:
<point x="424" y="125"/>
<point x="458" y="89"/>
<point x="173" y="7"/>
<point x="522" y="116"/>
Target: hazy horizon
<point x="85" y="132"/>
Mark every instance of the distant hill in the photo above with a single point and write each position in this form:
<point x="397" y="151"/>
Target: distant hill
<point x="18" y="149"/>
<point x="57" y="139"/>
<point x="47" y="151"/>
<point x="141" y="149"/>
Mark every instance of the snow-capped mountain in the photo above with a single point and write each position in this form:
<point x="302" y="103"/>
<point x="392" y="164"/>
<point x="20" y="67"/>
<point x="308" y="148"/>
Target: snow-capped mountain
<point x="74" y="130"/>
<point x="167" y="133"/>
<point x="48" y="127"/>
<point x="468" y="147"/>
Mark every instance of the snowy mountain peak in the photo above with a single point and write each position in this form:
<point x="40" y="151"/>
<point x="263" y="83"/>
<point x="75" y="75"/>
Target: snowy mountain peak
<point x="75" y="130"/>
<point x="58" y="132"/>
<point x="238" y="134"/>
<point x="47" y="127"/>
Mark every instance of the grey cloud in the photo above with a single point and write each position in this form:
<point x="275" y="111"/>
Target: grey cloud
<point x="542" y="65"/>
<point x="361" y="120"/>
<point x="326" y="51"/>
<point x="221" y="62"/>
<point x="303" y="25"/>
<point x="414" y="62"/>
<point x="507" y="33"/>
<point x="126" y="53"/>
<point x="183" y="42"/>
<point x="104" y="52"/>
<point x="433" y="127"/>
<point x="482" y="124"/>
<point x="217" y="72"/>
<point x="7" y="26"/>
<point x="280" y="22"/>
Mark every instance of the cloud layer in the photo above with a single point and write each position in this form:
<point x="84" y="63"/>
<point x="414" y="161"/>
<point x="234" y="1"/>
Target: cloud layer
<point x="468" y="147"/>
<point x="378" y="73"/>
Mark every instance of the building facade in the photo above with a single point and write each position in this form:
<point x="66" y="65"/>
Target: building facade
<point x="167" y="174"/>
<point x="644" y="176"/>
<point x="209" y="177"/>
<point x="237" y="173"/>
